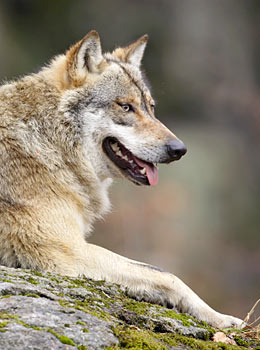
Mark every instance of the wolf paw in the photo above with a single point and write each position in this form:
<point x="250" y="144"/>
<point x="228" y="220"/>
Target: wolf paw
<point x="227" y="321"/>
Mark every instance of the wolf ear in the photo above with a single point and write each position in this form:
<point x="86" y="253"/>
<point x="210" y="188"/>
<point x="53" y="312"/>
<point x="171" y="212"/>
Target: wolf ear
<point x="133" y="53"/>
<point x="84" y="57"/>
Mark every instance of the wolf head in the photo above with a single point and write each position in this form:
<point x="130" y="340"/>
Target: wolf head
<point x="108" y="94"/>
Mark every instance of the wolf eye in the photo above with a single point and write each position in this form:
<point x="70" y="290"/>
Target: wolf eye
<point x="152" y="106"/>
<point x="127" y="107"/>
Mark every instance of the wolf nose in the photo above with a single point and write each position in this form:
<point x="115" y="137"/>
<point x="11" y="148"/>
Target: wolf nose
<point x="175" y="149"/>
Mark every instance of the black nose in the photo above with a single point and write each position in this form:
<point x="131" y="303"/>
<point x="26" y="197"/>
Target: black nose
<point x="175" y="149"/>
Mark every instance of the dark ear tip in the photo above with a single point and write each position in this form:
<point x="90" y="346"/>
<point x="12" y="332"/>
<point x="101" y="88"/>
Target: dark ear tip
<point x="92" y="33"/>
<point x="144" y="38"/>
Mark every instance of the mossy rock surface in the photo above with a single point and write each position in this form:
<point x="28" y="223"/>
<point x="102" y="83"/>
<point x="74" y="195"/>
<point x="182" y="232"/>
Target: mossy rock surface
<point x="48" y="311"/>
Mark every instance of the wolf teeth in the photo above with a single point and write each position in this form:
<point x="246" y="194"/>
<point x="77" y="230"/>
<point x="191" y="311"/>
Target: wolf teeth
<point x="114" y="147"/>
<point x="143" y="171"/>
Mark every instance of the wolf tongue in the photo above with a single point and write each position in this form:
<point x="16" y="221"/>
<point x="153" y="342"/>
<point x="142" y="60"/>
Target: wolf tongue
<point x="151" y="171"/>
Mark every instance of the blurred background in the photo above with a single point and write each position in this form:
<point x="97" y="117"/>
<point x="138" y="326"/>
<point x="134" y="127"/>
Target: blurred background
<point x="202" y="221"/>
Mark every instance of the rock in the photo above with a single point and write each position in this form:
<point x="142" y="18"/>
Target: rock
<point x="48" y="311"/>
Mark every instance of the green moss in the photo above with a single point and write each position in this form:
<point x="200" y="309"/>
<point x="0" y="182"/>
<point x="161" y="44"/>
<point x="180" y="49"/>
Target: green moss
<point x="3" y="324"/>
<point x="191" y="343"/>
<point x="89" y="306"/>
<point x="82" y="323"/>
<point x="139" y="307"/>
<point x="9" y="274"/>
<point x="32" y="295"/>
<point x="55" y="280"/>
<point x="94" y="287"/>
<point x="37" y="273"/>
<point x="78" y="282"/>
<point x="67" y="304"/>
<point x="89" y="311"/>
<point x="247" y="342"/>
<point x="98" y="283"/>
<point x="29" y="326"/>
<point x="5" y="280"/>
<point x="95" y="304"/>
<point x="82" y="347"/>
<point x="136" y="339"/>
<point x="14" y="319"/>
<point x="99" y="304"/>
<point x="64" y="303"/>
<point x="6" y="316"/>
<point x="185" y="319"/>
<point x="62" y="338"/>
<point x="240" y="341"/>
<point x="5" y="296"/>
<point x="144" y="309"/>
<point x="29" y="279"/>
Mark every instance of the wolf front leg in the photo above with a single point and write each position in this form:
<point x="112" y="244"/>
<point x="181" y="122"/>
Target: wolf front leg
<point x="146" y="282"/>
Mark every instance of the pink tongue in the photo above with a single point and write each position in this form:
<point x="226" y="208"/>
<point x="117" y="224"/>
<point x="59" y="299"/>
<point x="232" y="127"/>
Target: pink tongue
<point x="151" y="171"/>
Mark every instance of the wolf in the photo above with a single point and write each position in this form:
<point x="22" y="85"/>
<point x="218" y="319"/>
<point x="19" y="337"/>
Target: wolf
<point x="65" y="133"/>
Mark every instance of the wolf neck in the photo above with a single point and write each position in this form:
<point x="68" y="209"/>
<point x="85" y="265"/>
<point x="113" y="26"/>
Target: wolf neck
<point x="97" y="201"/>
<point x="88" y="180"/>
<point x="58" y="173"/>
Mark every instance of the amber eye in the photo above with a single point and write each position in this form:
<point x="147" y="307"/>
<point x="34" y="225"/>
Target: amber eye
<point x="127" y="107"/>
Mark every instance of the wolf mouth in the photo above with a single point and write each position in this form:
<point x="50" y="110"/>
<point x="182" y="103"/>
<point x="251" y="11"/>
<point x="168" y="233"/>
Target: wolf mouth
<point x="138" y="170"/>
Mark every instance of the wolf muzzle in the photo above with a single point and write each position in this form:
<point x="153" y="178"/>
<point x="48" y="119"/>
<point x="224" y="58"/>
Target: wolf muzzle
<point x="175" y="150"/>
